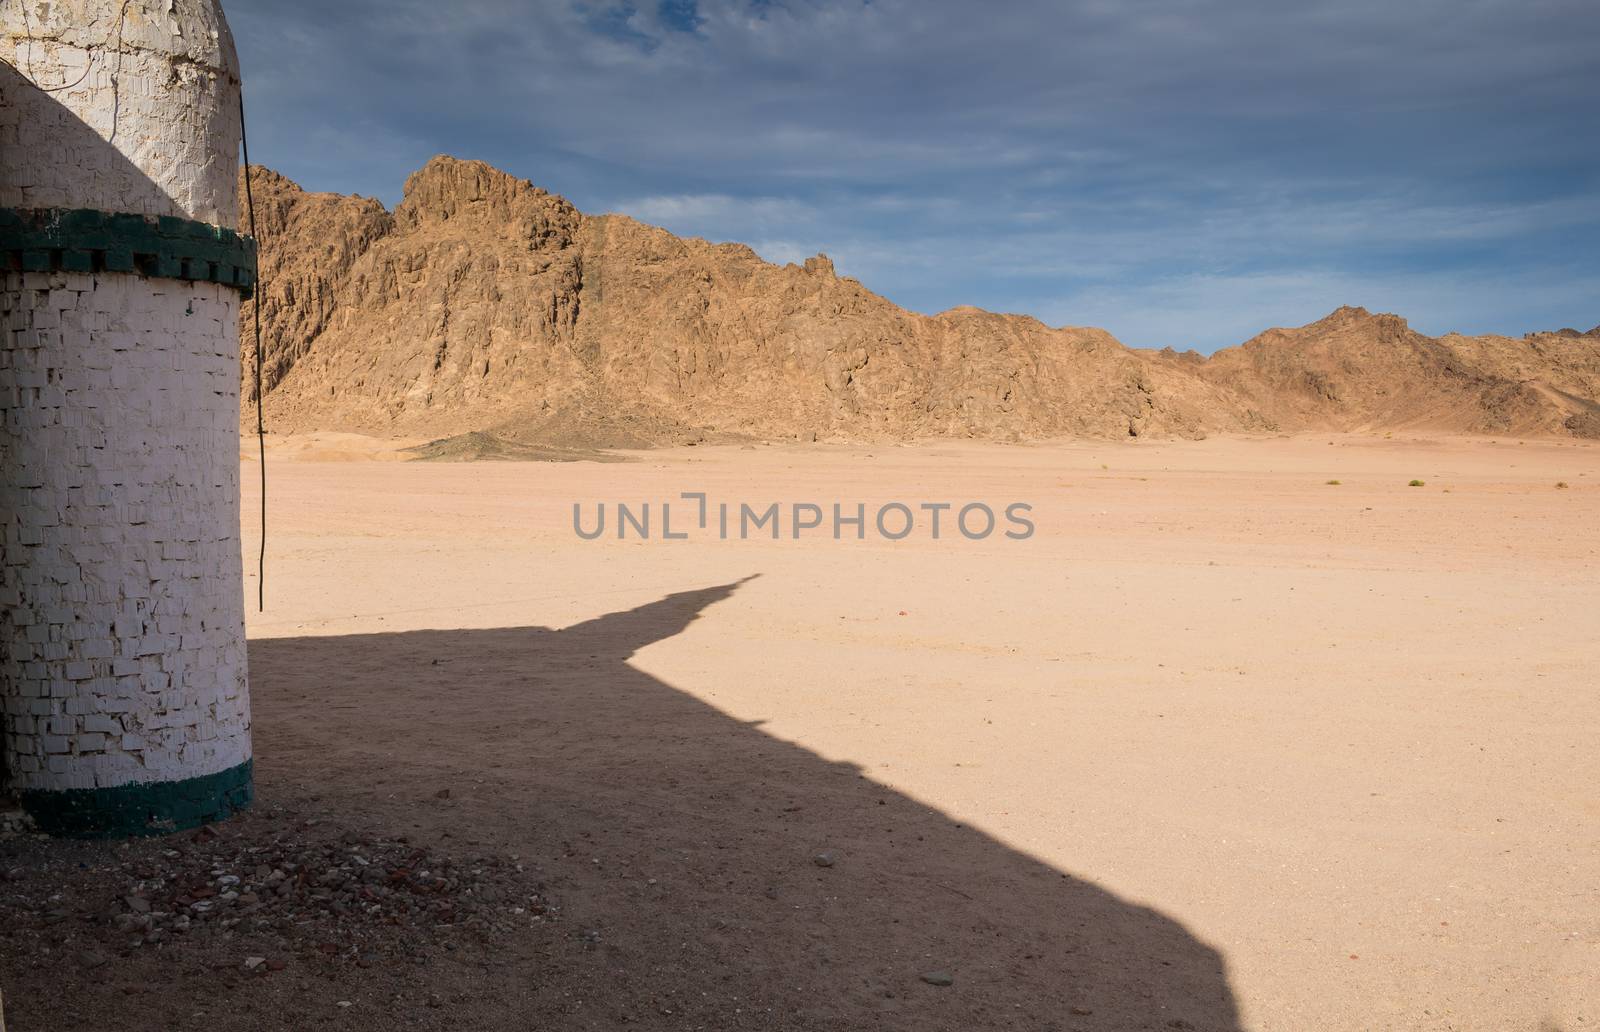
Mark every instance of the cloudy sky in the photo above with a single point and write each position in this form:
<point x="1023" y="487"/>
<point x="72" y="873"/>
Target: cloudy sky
<point x="1181" y="172"/>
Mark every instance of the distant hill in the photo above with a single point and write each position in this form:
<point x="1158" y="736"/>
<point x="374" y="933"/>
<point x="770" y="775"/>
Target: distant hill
<point x="484" y="305"/>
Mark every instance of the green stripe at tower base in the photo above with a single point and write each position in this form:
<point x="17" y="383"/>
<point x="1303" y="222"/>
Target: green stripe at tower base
<point x="147" y="808"/>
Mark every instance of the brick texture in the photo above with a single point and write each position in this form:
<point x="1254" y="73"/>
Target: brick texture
<point x="122" y="652"/>
<point x="122" y="656"/>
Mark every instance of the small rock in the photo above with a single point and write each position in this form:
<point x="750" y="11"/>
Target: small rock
<point x="89" y="959"/>
<point x="138" y="904"/>
<point x="443" y="793"/>
<point x="251" y="963"/>
<point x="938" y="978"/>
<point x="826" y="858"/>
<point x="1082" y="1012"/>
<point x="344" y="1003"/>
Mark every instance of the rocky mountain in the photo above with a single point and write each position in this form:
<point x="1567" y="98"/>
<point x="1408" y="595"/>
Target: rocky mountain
<point x="485" y="306"/>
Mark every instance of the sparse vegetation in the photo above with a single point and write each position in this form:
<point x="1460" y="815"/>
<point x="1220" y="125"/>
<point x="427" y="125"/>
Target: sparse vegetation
<point x="1333" y="483"/>
<point x="1415" y="483"/>
<point x="1561" y="485"/>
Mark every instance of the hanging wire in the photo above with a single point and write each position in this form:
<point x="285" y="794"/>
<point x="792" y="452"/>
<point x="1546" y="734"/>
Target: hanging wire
<point x="255" y="313"/>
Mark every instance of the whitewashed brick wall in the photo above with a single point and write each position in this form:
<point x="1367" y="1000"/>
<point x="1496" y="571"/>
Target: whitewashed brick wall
<point x="120" y="594"/>
<point x="122" y="655"/>
<point x="151" y="128"/>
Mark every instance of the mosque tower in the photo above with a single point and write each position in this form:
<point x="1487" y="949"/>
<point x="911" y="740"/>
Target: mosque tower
<point x="124" y="704"/>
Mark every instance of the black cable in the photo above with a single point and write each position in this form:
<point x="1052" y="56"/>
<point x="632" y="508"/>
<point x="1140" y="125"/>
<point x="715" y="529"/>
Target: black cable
<point x="255" y="312"/>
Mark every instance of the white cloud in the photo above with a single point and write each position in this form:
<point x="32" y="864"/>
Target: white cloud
<point x="1211" y="311"/>
<point x="1148" y="166"/>
<point x="681" y="209"/>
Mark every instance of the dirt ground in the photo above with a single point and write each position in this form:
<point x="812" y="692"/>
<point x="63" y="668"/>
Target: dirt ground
<point x="1223" y="745"/>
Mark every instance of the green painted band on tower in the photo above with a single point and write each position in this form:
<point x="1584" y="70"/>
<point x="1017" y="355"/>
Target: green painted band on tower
<point x="144" y="808"/>
<point x="85" y="240"/>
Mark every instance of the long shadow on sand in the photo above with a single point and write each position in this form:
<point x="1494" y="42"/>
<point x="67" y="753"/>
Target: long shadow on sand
<point x="686" y="839"/>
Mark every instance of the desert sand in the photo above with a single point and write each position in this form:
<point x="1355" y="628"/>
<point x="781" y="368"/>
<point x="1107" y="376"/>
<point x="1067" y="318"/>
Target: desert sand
<point x="1222" y="746"/>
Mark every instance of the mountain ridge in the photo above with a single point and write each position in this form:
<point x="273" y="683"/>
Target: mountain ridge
<point x="484" y="304"/>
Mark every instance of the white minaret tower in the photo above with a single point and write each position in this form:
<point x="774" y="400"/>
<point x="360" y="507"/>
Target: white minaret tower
<point x="124" y="707"/>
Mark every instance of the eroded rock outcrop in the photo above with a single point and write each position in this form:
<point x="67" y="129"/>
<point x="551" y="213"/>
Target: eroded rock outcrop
<point x="483" y="303"/>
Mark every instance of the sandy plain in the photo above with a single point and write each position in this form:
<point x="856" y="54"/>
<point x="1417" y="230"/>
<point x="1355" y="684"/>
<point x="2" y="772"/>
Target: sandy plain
<point x="1223" y="745"/>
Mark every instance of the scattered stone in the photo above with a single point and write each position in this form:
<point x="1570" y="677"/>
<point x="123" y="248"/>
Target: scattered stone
<point x="264" y="894"/>
<point x="938" y="978"/>
<point x="826" y="858"/>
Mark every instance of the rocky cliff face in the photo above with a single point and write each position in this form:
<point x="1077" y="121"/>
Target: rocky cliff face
<point x="1357" y="371"/>
<point x="483" y="303"/>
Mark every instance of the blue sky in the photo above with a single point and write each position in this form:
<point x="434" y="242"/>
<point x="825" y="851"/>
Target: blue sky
<point x="1180" y="172"/>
